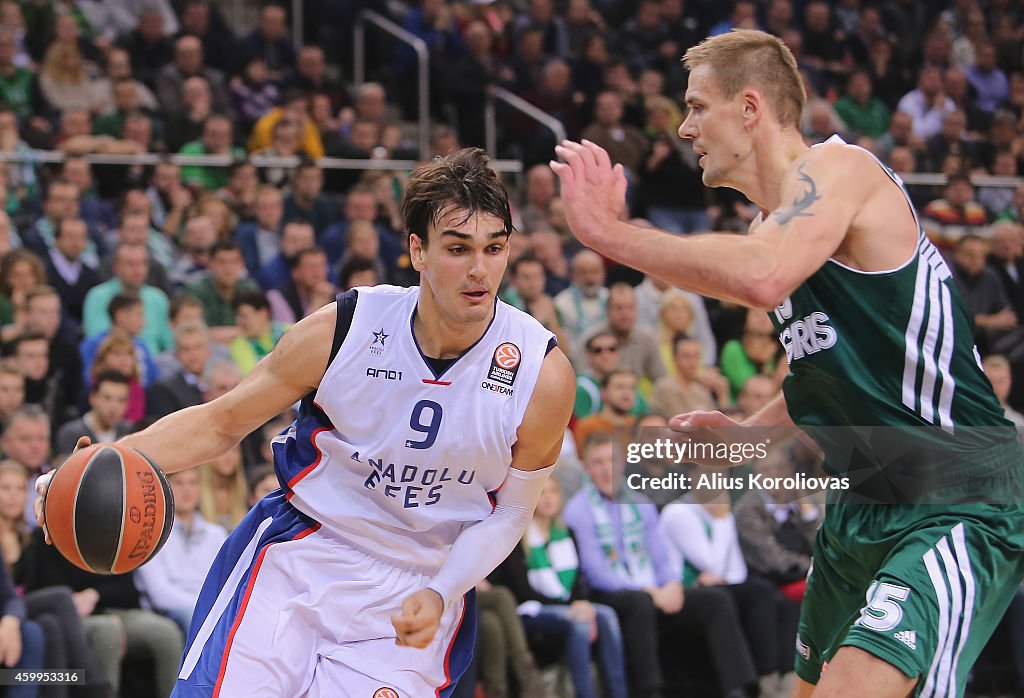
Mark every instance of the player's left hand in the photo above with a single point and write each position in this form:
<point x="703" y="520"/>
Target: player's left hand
<point x="419" y="620"/>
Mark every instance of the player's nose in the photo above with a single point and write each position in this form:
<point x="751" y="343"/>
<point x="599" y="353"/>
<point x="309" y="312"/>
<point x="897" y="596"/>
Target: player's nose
<point x="686" y="129"/>
<point x="477" y="269"/>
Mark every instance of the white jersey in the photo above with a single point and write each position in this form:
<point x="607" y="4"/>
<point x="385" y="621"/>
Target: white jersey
<point x="394" y="457"/>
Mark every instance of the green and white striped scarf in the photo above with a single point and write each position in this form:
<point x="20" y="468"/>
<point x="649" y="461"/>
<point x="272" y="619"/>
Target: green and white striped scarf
<point x="637" y="567"/>
<point x="551" y="565"/>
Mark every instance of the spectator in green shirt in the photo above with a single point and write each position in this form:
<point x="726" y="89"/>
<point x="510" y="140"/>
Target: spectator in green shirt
<point x="755" y="353"/>
<point x="602" y="352"/>
<point x="220" y="287"/>
<point x="126" y="101"/>
<point x="17" y="83"/>
<point x="1015" y="211"/>
<point x="131" y="267"/>
<point x="257" y="334"/>
<point x="217" y="139"/>
<point x="860" y="109"/>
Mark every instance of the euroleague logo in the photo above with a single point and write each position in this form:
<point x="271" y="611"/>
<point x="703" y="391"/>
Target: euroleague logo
<point x="504" y="366"/>
<point x="385" y="693"/>
<point x="507" y="356"/>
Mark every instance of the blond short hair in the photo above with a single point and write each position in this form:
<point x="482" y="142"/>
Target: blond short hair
<point x="749" y="58"/>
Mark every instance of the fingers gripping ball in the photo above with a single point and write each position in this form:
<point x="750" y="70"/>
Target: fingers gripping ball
<point x="108" y="509"/>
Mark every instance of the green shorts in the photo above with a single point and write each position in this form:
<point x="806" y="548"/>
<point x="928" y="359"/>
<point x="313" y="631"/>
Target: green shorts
<point x="922" y="589"/>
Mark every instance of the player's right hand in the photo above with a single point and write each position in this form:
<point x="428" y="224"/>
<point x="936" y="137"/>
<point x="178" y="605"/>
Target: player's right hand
<point x="419" y="620"/>
<point x="43" y="484"/>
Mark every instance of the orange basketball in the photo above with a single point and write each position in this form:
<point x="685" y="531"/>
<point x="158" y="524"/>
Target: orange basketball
<point x="108" y="509"/>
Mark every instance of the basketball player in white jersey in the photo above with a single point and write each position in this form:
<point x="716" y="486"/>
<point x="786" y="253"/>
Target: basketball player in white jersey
<point x="429" y="420"/>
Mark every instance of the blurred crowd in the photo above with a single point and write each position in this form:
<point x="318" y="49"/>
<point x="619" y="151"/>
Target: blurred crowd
<point x="130" y="291"/>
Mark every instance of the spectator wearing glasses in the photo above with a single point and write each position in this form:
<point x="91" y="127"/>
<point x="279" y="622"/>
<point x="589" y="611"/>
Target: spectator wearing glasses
<point x="192" y="263"/>
<point x="602" y="353"/>
<point x="219" y="288"/>
<point x="638" y="348"/>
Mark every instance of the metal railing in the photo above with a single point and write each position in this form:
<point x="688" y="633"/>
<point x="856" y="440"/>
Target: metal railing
<point x="298" y="22"/>
<point x="261" y="161"/>
<point x="423" y="64"/>
<point x="937" y="178"/>
<point x="518" y="103"/>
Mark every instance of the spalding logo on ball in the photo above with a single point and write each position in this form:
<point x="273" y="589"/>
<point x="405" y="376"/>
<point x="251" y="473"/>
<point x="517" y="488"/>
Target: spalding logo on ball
<point x="108" y="509"/>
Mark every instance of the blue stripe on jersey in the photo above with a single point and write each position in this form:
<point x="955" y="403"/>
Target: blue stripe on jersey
<point x="288" y="523"/>
<point x="461" y="653"/>
<point x="295" y="452"/>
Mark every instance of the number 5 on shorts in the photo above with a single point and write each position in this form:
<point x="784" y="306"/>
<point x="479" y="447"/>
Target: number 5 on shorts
<point x="882" y="613"/>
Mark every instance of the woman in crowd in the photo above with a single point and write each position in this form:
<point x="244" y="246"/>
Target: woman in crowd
<point x="64" y="82"/>
<point x="218" y="210"/>
<point x="675" y="315"/>
<point x="20" y="270"/>
<point x="704" y="545"/>
<point x="223" y="493"/>
<point x="53" y="608"/>
<point x="544" y="575"/>
<point x="117" y="352"/>
<point x="755" y="352"/>
<point x="172" y="580"/>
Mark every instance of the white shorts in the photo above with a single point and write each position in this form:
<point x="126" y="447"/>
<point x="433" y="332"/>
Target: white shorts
<point x="289" y="609"/>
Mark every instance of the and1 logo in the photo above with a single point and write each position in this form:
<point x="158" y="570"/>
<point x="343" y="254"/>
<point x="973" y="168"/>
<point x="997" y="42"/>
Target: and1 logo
<point x="505" y="364"/>
<point x="385" y="693"/>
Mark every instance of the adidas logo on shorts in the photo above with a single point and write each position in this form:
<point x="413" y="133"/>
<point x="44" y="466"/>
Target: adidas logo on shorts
<point x="907" y="637"/>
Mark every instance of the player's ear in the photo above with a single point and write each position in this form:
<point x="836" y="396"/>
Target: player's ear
<point x="417" y="251"/>
<point x="753" y="107"/>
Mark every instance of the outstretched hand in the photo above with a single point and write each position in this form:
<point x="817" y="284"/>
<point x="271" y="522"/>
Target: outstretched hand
<point x="593" y="190"/>
<point x="713" y="431"/>
<point x="419" y="620"/>
<point x="43" y="484"/>
<point x="701" y="419"/>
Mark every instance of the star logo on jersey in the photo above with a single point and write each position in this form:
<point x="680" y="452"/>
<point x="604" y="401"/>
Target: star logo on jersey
<point x="377" y="345"/>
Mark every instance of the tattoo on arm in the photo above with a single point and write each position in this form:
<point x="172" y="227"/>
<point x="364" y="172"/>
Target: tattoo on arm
<point x="801" y="203"/>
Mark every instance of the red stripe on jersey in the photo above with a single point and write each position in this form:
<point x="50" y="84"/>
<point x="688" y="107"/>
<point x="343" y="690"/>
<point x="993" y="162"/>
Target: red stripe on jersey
<point x="245" y="603"/>
<point x="448" y="654"/>
<point x="433" y="382"/>
<point x="319" y="456"/>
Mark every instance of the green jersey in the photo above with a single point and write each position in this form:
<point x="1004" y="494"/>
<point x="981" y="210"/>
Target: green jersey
<point x="890" y="349"/>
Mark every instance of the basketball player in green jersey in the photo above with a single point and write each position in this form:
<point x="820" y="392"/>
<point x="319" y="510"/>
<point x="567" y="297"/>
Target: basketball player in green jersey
<point x="901" y="598"/>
